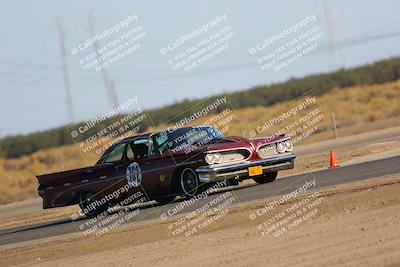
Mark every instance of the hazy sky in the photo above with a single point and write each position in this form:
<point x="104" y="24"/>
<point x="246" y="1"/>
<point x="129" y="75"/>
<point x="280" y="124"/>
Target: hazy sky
<point x="31" y="79"/>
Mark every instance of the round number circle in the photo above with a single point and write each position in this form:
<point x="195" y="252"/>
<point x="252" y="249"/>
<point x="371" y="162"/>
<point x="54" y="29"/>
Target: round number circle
<point x="134" y="174"/>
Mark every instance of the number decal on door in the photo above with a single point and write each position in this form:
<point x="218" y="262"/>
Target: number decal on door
<point x="134" y="174"/>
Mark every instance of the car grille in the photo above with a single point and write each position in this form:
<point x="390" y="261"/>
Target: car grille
<point x="234" y="155"/>
<point x="267" y="150"/>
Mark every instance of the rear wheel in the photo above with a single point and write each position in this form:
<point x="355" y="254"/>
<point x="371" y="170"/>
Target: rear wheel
<point x="86" y="201"/>
<point x="266" y="178"/>
<point x="189" y="183"/>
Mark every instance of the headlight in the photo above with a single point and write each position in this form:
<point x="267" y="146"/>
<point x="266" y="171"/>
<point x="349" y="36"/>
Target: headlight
<point x="281" y="147"/>
<point x="288" y="145"/>
<point x="213" y="158"/>
<point x="217" y="158"/>
<point x="210" y="159"/>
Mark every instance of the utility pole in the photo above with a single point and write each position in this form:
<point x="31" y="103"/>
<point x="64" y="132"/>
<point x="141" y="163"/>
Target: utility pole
<point x="334" y="125"/>
<point x="337" y="50"/>
<point x="112" y="93"/>
<point x="65" y="71"/>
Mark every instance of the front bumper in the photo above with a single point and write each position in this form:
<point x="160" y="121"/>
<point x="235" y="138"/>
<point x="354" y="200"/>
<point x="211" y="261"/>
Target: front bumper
<point x="209" y="174"/>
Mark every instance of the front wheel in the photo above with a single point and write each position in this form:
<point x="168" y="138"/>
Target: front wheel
<point x="88" y="207"/>
<point x="266" y="178"/>
<point x="189" y="183"/>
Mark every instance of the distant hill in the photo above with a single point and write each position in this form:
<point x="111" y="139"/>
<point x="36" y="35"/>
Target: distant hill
<point x="261" y="96"/>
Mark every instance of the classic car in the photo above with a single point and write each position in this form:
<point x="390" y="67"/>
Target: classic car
<point x="166" y="164"/>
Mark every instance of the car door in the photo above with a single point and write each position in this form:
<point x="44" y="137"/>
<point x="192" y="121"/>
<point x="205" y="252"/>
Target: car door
<point x="126" y="178"/>
<point x="115" y="177"/>
<point x="138" y="167"/>
<point x="166" y="165"/>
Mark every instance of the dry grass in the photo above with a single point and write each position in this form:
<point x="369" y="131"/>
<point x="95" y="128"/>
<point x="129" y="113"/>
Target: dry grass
<point x="357" y="109"/>
<point x="17" y="176"/>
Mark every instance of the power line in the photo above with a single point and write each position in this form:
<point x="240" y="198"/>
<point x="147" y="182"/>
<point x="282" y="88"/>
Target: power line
<point x="345" y="43"/>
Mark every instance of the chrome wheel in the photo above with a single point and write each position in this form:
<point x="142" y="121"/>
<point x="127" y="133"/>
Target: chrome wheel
<point x="189" y="182"/>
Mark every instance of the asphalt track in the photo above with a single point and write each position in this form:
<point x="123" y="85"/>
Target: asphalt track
<point x="324" y="178"/>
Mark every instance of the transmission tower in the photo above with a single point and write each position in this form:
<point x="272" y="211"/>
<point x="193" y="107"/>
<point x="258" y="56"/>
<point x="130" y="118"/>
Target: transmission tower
<point x="112" y="93"/>
<point x="334" y="35"/>
<point x="67" y="86"/>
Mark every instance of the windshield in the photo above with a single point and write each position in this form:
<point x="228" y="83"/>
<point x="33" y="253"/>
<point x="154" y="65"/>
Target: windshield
<point x="114" y="154"/>
<point x="181" y="138"/>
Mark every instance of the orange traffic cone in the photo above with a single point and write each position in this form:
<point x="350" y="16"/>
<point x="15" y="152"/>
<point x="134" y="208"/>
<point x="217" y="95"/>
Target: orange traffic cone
<point x="332" y="160"/>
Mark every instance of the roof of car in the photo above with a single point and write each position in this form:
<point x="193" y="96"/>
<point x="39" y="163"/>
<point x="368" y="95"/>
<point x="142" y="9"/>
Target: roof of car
<point x="136" y="136"/>
<point x="146" y="134"/>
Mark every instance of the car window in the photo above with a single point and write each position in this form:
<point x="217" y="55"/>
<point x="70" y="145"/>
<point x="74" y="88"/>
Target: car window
<point x="139" y="149"/>
<point x="129" y="152"/>
<point x="183" y="137"/>
<point x="141" y="141"/>
<point x="162" y="142"/>
<point x="115" y="154"/>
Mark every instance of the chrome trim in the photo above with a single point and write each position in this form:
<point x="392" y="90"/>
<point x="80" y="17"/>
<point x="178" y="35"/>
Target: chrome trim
<point x="245" y="171"/>
<point x="85" y="181"/>
<point x="208" y="169"/>
<point x="67" y="184"/>
<point x="274" y="142"/>
<point x="217" y="173"/>
<point x="229" y="149"/>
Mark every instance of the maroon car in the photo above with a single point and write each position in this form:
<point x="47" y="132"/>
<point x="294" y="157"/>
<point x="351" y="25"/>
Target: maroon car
<point x="163" y="165"/>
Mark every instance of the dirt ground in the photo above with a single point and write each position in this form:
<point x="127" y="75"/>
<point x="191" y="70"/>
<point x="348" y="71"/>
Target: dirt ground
<point x="355" y="224"/>
<point x="345" y="156"/>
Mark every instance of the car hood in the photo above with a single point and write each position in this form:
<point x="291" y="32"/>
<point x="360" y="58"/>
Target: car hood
<point x="235" y="142"/>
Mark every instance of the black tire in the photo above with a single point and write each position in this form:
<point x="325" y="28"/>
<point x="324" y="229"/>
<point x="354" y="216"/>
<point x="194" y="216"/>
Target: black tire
<point x="232" y="182"/>
<point x="165" y="200"/>
<point x="266" y="178"/>
<point x="87" y="198"/>
<point x="188" y="183"/>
